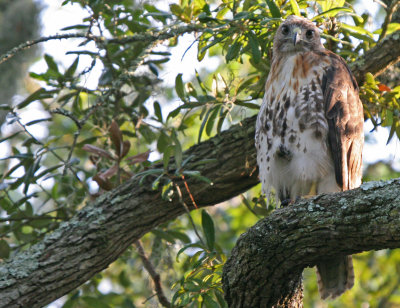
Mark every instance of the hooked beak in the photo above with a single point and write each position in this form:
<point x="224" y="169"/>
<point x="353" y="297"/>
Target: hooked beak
<point x="296" y="36"/>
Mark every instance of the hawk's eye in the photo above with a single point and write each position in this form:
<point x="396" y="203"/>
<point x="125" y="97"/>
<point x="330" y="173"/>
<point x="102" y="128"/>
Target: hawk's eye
<point x="285" y="30"/>
<point x="309" y="34"/>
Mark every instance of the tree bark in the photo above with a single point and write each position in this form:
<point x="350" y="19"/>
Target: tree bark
<point x="98" y="234"/>
<point x="265" y="267"/>
<point x="379" y="58"/>
<point x="103" y="230"/>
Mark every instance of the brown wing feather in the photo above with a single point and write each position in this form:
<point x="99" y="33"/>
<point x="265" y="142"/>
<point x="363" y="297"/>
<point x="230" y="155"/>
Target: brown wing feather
<point x="345" y="117"/>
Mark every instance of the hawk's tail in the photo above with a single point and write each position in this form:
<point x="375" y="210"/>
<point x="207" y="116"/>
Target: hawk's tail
<point x="335" y="276"/>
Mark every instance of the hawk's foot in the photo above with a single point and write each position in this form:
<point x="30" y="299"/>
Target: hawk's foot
<point x="287" y="202"/>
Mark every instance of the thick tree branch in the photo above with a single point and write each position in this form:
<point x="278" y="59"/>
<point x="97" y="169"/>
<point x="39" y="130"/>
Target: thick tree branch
<point x="290" y="239"/>
<point x="379" y="58"/>
<point x="102" y="231"/>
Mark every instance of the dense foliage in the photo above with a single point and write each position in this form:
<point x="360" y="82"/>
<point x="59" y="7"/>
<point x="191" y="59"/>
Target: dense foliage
<point x="99" y="136"/>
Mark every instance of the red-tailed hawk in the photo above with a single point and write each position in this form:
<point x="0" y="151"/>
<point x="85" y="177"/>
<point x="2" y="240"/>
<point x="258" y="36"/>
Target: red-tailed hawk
<point x="309" y="133"/>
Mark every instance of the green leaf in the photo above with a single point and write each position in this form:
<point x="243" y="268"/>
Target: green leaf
<point x="196" y="174"/>
<point x="71" y="70"/>
<point x="167" y="155"/>
<point x="392" y="130"/>
<point x="41" y="223"/>
<point x="38" y="94"/>
<point x="153" y="68"/>
<point x="255" y="47"/>
<point x="392" y="27"/>
<point x="180" y="236"/>
<point x="221" y="119"/>
<point x="370" y="81"/>
<point x="94" y="302"/>
<point x="106" y="77"/>
<point x="147" y="133"/>
<point x="38" y="121"/>
<point x="75" y="27"/>
<point x="10" y="137"/>
<point x="164" y="235"/>
<point x="247" y="105"/>
<point x="242" y="15"/>
<point x="203" y="124"/>
<point x="48" y="170"/>
<point x="176" y="9"/>
<point x="28" y="178"/>
<point x="222" y="13"/>
<point x="156" y="182"/>
<point x="208" y="229"/>
<point x="51" y="63"/>
<point x="5" y="107"/>
<point x="194" y="245"/>
<point x="245" y="84"/>
<point x="333" y="12"/>
<point x="275" y="12"/>
<point x="179" y="87"/>
<point x="215" y="41"/>
<point x="167" y="191"/>
<point x="211" y="120"/>
<point x="4" y="249"/>
<point x="144" y="174"/>
<point x="209" y="302"/>
<point x="174" y="113"/>
<point x="124" y="279"/>
<point x="163" y="141"/>
<point x="220" y="298"/>
<point x="157" y="111"/>
<point x="356" y="29"/>
<point x="233" y="51"/>
<point x="21" y="156"/>
<point x="177" y="151"/>
<point x="295" y="7"/>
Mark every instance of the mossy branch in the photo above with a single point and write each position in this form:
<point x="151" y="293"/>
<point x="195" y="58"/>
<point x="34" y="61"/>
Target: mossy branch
<point x="272" y="254"/>
<point x="148" y="37"/>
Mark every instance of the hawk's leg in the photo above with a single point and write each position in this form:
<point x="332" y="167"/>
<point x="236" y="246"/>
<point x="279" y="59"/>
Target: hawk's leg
<point x="313" y="191"/>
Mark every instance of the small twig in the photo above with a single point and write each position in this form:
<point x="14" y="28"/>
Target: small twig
<point x="30" y="218"/>
<point x="188" y="191"/>
<point x="67" y="114"/>
<point x="389" y="14"/>
<point x="154" y="275"/>
<point x="29" y="44"/>
<point x="381" y="3"/>
<point x="49" y="149"/>
<point x="179" y="192"/>
<point x="67" y="163"/>
<point x="142" y="37"/>
<point x="149" y="298"/>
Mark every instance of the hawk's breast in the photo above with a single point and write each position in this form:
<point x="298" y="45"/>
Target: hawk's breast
<point x="291" y="132"/>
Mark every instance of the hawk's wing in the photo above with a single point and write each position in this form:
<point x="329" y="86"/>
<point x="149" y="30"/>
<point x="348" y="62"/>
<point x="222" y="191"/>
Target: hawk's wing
<point x="344" y="113"/>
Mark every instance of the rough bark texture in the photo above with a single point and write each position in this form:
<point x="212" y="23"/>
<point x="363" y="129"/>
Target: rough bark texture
<point x="378" y="58"/>
<point x="102" y="231"/>
<point x="283" y="244"/>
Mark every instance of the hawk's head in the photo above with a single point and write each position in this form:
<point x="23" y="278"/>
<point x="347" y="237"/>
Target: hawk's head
<point x="297" y="34"/>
